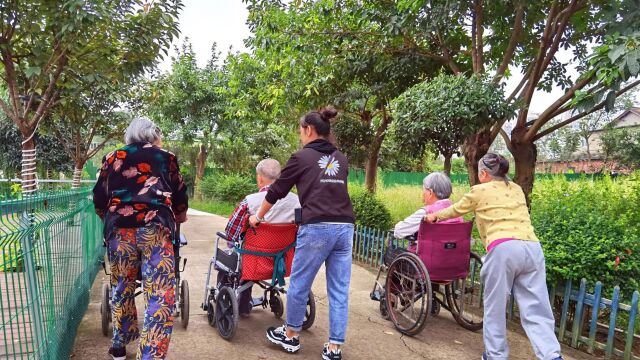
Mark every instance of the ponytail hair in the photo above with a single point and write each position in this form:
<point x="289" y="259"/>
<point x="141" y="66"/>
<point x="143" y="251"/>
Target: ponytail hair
<point x="496" y="165"/>
<point x="320" y="120"/>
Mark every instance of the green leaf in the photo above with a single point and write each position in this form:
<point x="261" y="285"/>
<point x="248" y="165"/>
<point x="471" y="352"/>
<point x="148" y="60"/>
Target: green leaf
<point x="32" y="71"/>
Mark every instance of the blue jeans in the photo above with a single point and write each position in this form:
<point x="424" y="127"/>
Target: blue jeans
<point x="317" y="244"/>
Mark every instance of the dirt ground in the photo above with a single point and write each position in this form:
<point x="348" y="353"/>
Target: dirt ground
<point x="368" y="337"/>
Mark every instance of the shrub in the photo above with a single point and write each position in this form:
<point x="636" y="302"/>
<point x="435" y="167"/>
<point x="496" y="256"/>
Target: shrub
<point x="370" y="211"/>
<point x="226" y="187"/>
<point x="589" y="229"/>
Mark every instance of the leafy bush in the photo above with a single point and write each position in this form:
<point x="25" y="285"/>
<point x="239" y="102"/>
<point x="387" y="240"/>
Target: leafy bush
<point x="589" y="229"/>
<point x="370" y="211"/>
<point x="226" y="187"/>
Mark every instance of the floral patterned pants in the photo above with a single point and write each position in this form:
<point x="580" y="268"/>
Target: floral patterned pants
<point x="150" y="251"/>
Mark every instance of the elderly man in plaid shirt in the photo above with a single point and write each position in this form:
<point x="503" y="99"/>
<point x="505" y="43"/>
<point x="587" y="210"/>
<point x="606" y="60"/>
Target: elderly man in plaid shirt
<point x="267" y="171"/>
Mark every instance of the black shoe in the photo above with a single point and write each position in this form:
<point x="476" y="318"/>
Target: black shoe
<point x="118" y="353"/>
<point x="278" y="336"/>
<point x="331" y="355"/>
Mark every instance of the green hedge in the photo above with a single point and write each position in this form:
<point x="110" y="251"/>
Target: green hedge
<point x="369" y="210"/>
<point x="231" y="188"/>
<point x="590" y="229"/>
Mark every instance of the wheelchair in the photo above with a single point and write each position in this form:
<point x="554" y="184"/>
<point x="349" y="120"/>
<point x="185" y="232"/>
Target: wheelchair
<point x="442" y="273"/>
<point x="182" y="290"/>
<point x="263" y="257"/>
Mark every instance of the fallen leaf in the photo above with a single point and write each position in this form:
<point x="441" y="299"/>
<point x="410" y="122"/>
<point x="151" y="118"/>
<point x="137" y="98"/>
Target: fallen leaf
<point x="388" y="332"/>
<point x="457" y="342"/>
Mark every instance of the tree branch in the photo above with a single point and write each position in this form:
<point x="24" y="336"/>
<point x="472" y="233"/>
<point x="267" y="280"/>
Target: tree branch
<point x="545" y="116"/>
<point x="524" y="79"/>
<point x="532" y="80"/>
<point x="583" y="114"/>
<point x="477" y="32"/>
<point x="506" y="139"/>
<point x="99" y="147"/>
<point x="513" y="42"/>
<point x="50" y="93"/>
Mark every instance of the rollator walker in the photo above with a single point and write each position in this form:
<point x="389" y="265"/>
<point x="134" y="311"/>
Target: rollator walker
<point x="442" y="273"/>
<point x="182" y="289"/>
<point x="263" y="257"/>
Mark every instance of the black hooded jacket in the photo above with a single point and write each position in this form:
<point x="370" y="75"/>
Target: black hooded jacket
<point x="319" y="172"/>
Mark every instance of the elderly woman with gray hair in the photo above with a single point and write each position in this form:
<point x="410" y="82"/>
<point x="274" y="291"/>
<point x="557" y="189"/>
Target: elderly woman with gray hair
<point x="140" y="196"/>
<point x="436" y="189"/>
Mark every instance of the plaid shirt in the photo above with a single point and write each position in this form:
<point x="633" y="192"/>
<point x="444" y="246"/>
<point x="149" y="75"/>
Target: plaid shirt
<point x="239" y="220"/>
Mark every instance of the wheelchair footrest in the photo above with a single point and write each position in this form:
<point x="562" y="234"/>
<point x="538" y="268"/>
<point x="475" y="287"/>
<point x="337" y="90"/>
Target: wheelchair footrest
<point x="376" y="295"/>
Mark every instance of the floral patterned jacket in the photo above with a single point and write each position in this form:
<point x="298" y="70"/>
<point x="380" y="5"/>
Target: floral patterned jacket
<point x="140" y="184"/>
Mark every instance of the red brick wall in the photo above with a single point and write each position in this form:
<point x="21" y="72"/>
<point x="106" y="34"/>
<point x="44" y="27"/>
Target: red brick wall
<point x="577" y="166"/>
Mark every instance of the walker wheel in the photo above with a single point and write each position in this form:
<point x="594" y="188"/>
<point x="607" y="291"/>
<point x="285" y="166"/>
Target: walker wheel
<point x="105" y="309"/>
<point x="310" y="314"/>
<point x="277" y="307"/>
<point x="184" y="303"/>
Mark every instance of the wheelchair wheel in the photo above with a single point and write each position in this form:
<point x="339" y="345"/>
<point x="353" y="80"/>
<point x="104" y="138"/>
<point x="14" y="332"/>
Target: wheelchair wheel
<point x="227" y="313"/>
<point x="105" y="309"/>
<point x="408" y="294"/>
<point x="184" y="303"/>
<point x="310" y="313"/>
<point x="277" y="307"/>
<point x="464" y="297"/>
<point x="211" y="313"/>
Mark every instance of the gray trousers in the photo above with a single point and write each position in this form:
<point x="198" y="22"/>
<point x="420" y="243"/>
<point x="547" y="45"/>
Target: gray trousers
<point x="517" y="265"/>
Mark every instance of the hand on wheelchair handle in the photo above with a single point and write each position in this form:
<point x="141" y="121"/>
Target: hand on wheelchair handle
<point x="431" y="218"/>
<point x="253" y="221"/>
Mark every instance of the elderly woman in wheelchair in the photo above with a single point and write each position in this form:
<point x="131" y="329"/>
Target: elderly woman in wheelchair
<point x="430" y="266"/>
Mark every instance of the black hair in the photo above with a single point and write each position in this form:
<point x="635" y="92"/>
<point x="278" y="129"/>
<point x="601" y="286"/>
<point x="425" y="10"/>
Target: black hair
<point x="320" y="120"/>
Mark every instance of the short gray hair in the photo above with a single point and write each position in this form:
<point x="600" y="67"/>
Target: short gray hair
<point x="439" y="183"/>
<point x="141" y="129"/>
<point x="269" y="168"/>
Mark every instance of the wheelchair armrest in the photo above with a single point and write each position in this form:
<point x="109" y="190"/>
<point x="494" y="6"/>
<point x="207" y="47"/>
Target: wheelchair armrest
<point x="222" y="235"/>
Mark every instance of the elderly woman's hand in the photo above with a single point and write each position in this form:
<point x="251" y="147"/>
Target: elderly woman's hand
<point x="431" y="218"/>
<point x="253" y="221"/>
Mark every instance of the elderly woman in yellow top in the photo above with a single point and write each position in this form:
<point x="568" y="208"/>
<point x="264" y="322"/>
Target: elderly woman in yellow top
<point x="514" y="260"/>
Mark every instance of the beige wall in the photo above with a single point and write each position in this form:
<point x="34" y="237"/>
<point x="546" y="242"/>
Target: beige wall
<point x="631" y="119"/>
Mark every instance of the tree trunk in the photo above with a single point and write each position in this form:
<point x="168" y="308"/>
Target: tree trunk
<point x="371" y="167"/>
<point x="447" y="164"/>
<point x="586" y="140"/>
<point x="201" y="162"/>
<point x="77" y="174"/>
<point x="474" y="148"/>
<point x="28" y="173"/>
<point x="524" y="154"/>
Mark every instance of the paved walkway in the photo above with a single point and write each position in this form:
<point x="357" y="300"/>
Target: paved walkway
<point x="369" y="336"/>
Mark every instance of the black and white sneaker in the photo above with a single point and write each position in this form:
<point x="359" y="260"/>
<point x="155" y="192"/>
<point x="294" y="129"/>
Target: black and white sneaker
<point x="331" y="355"/>
<point x="118" y="353"/>
<point x="278" y="336"/>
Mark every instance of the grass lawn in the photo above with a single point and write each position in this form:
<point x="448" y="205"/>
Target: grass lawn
<point x="403" y="200"/>
<point x="221" y="208"/>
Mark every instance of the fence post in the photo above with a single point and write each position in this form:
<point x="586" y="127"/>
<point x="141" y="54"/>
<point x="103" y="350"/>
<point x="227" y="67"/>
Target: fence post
<point x="612" y="322"/>
<point x="633" y="312"/>
<point x="594" y="317"/>
<point x="27" y="240"/>
<point x="577" y="318"/>
<point x="565" y="310"/>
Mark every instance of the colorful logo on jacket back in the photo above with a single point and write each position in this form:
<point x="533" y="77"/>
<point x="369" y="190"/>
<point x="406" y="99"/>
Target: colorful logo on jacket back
<point x="330" y="165"/>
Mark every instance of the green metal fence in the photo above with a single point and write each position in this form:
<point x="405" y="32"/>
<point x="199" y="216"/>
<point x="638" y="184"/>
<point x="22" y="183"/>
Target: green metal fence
<point x="50" y="247"/>
<point x="393" y="178"/>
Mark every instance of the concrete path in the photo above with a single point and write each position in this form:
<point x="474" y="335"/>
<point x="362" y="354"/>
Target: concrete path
<point x="369" y="336"/>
